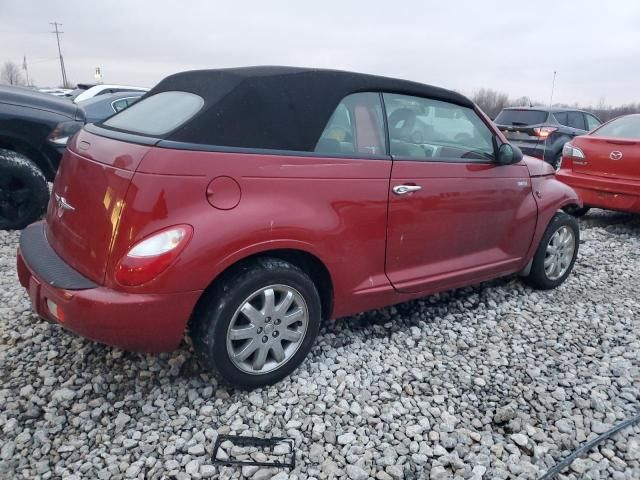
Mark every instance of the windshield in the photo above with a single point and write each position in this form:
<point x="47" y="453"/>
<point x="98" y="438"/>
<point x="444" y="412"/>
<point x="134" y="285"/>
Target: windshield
<point x="521" y="117"/>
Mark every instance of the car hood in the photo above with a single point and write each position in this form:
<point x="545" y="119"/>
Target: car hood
<point x="537" y="167"/>
<point x="42" y="101"/>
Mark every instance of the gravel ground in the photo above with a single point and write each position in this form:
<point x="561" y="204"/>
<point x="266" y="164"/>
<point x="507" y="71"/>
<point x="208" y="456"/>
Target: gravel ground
<point x="495" y="381"/>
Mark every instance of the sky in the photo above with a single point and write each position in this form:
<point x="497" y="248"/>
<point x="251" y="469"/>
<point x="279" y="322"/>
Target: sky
<point x="509" y="46"/>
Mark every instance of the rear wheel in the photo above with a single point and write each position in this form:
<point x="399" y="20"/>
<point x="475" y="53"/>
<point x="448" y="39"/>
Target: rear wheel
<point x="258" y="325"/>
<point x="555" y="162"/>
<point x="24" y="191"/>
<point x="556" y="254"/>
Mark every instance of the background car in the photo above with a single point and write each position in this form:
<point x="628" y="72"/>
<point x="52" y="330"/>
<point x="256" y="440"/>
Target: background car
<point x="103" y="89"/>
<point x="103" y="106"/>
<point x="34" y="130"/>
<point x="255" y="203"/>
<point x="57" y="92"/>
<point x="542" y="132"/>
<point x="604" y="166"/>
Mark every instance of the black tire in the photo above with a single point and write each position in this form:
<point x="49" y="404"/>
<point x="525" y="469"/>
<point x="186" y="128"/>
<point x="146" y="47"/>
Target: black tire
<point x="555" y="162"/>
<point x="24" y="192"/>
<point x="538" y="277"/>
<point x="578" y="212"/>
<point x="215" y="312"/>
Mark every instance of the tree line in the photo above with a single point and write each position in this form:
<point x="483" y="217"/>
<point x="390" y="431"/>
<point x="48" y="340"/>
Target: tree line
<point x="492" y="102"/>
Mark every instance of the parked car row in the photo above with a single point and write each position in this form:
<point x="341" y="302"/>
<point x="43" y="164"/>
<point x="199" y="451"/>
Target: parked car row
<point x="211" y="205"/>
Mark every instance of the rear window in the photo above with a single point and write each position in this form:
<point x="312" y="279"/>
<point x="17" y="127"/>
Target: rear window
<point x="521" y="117"/>
<point x="623" y="127"/>
<point x="158" y="114"/>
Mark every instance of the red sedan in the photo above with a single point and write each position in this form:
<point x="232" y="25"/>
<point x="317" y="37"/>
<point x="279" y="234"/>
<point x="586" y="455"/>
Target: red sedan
<point x="604" y="166"/>
<point x="249" y="205"/>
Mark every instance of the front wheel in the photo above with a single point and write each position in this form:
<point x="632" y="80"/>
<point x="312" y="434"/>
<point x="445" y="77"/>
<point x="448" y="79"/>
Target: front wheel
<point x="556" y="254"/>
<point x="578" y="212"/>
<point x="259" y="324"/>
<point x="24" y="191"/>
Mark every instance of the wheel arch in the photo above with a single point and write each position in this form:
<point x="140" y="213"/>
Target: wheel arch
<point x="308" y="262"/>
<point x="37" y="157"/>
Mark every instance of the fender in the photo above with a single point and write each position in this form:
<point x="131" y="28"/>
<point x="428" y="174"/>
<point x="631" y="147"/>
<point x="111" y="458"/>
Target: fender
<point x="551" y="196"/>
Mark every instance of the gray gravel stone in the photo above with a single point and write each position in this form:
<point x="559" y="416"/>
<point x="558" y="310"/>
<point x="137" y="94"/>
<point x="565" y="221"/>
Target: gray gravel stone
<point x="493" y="381"/>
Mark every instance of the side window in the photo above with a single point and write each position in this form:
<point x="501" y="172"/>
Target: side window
<point x="561" y="117"/>
<point x="592" y="122"/>
<point x="355" y="128"/>
<point x="120" y="104"/>
<point x="576" y="120"/>
<point x="431" y="130"/>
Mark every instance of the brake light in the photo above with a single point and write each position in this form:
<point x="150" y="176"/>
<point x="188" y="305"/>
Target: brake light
<point x="543" y="132"/>
<point x="150" y="257"/>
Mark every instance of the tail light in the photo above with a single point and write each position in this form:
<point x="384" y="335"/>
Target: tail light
<point x="150" y="257"/>
<point x="543" y="132"/>
<point x="569" y="153"/>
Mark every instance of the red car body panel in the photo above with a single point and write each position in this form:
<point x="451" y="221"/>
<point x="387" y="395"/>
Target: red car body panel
<point x="602" y="179"/>
<point x="469" y="223"/>
<point x="145" y="322"/>
<point x="439" y="235"/>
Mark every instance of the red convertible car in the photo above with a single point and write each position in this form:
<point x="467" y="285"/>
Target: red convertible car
<point x="248" y="205"/>
<point x="604" y="166"/>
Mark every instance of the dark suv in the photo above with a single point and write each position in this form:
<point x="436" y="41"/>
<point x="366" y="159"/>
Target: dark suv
<point x="34" y="130"/>
<point x="542" y="132"/>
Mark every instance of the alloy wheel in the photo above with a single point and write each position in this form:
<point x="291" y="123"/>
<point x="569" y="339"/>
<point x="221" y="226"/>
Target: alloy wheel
<point x="267" y="329"/>
<point x="559" y="253"/>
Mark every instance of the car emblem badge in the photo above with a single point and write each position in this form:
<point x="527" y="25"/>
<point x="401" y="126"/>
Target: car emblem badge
<point x="62" y="205"/>
<point x="615" y="155"/>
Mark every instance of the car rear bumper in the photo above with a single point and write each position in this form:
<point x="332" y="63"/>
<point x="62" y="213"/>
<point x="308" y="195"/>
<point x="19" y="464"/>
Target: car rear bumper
<point x="602" y="192"/>
<point x="135" y="322"/>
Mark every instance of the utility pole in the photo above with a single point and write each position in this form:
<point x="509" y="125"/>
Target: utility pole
<point x="25" y="68"/>
<point x="553" y="86"/>
<point x="62" y="69"/>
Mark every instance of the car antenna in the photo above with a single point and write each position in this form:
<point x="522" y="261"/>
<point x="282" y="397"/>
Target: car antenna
<point x="553" y="86"/>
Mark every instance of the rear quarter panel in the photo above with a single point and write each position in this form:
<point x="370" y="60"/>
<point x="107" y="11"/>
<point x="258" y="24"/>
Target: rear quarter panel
<point x="332" y="208"/>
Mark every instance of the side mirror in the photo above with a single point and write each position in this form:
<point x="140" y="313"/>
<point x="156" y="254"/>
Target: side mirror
<point x="508" y="154"/>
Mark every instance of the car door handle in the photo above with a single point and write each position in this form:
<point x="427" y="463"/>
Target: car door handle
<point x="404" y="189"/>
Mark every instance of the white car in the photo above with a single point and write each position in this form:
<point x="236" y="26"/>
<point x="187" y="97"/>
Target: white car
<point x="58" y="92"/>
<point x="104" y="89"/>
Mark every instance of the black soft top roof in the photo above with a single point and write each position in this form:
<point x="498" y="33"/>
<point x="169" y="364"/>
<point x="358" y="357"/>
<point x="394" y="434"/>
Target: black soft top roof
<point x="283" y="108"/>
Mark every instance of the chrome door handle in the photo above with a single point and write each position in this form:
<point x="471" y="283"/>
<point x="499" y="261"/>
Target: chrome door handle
<point x="404" y="189"/>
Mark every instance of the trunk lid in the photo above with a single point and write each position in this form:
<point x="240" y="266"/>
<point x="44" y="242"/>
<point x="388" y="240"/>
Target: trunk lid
<point x="608" y="157"/>
<point x="88" y="198"/>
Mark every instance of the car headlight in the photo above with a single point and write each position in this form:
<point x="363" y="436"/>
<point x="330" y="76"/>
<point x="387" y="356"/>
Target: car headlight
<point x="63" y="132"/>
